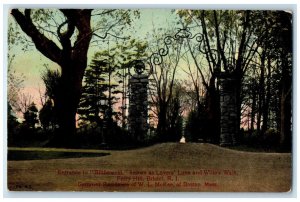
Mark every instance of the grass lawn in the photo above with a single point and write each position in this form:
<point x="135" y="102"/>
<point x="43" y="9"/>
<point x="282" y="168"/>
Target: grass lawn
<point x="162" y="167"/>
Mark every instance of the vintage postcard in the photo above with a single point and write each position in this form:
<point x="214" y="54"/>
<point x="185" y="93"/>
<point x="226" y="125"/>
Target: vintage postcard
<point x="149" y="100"/>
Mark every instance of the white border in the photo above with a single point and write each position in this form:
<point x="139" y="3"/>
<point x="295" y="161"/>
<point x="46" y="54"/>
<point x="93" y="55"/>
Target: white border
<point x="214" y="4"/>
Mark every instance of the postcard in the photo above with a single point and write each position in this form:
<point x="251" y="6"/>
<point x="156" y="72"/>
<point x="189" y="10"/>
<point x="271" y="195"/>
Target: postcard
<point x="149" y="100"/>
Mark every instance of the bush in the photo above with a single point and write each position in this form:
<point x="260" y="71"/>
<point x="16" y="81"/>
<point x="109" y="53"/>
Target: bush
<point x="270" y="139"/>
<point x="111" y="137"/>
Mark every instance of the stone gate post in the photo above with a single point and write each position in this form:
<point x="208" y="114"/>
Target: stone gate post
<point x="228" y="107"/>
<point x="138" y="106"/>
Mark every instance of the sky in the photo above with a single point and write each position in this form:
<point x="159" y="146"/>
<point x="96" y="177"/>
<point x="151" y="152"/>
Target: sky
<point x="30" y="62"/>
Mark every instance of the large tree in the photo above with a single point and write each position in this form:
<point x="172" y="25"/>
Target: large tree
<point x="106" y="79"/>
<point x="276" y="51"/>
<point x="71" y="59"/>
<point x="98" y="93"/>
<point x="66" y="42"/>
<point x="229" y="43"/>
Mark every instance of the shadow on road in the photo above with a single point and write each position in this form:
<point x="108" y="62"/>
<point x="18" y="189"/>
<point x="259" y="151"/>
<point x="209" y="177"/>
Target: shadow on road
<point x="46" y="155"/>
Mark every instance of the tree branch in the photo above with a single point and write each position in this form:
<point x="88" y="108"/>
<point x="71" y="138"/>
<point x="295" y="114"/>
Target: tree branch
<point x="242" y="44"/>
<point x="104" y="12"/>
<point x="47" y="47"/>
<point x="198" y="67"/>
<point x="220" y="49"/>
<point x="206" y="41"/>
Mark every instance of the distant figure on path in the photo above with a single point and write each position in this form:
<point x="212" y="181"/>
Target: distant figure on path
<point x="182" y="140"/>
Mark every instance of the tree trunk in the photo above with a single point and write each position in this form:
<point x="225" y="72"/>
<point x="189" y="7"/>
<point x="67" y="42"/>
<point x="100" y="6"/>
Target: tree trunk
<point x="253" y="109"/>
<point x="261" y="90"/>
<point x="213" y="112"/>
<point x="66" y="108"/>
<point x="239" y="70"/>
<point x="267" y="99"/>
<point x="162" y="122"/>
<point x="238" y="106"/>
<point x="285" y="110"/>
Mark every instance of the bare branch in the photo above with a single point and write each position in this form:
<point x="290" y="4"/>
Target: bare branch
<point x="105" y="12"/>
<point x="42" y="43"/>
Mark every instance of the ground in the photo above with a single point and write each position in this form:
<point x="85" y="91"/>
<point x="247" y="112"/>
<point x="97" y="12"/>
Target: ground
<point x="162" y="167"/>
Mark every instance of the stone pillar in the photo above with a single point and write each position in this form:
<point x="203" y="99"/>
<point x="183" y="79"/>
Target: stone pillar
<point x="138" y="106"/>
<point x="228" y="105"/>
